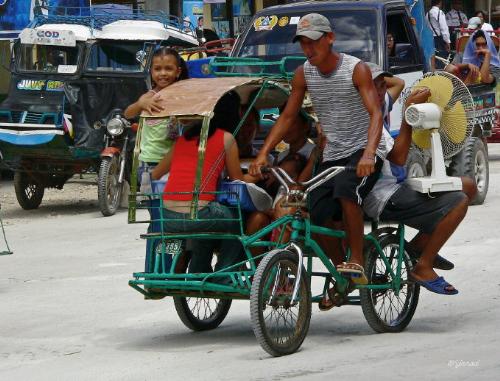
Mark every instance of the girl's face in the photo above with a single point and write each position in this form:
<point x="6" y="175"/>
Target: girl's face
<point x="164" y="70"/>
<point x="481" y="16"/>
<point x="481" y="43"/>
<point x="390" y="42"/>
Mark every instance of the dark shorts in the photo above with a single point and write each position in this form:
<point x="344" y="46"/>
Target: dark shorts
<point x="420" y="210"/>
<point x="324" y="201"/>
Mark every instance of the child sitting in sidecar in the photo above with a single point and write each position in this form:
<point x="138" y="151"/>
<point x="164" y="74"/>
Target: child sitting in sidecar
<point x="181" y="162"/>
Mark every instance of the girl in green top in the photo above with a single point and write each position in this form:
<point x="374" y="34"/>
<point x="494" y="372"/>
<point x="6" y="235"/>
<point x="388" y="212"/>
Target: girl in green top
<point x="158" y="134"/>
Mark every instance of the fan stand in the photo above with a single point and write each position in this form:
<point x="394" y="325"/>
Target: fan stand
<point x="438" y="181"/>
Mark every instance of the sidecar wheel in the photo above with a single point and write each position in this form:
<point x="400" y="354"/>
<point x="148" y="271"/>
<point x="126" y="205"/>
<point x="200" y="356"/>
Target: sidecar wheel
<point x="201" y="314"/>
<point x="109" y="190"/>
<point x="29" y="191"/>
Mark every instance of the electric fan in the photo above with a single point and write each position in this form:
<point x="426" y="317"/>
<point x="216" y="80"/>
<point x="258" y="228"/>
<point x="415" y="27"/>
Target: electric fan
<point x="442" y="126"/>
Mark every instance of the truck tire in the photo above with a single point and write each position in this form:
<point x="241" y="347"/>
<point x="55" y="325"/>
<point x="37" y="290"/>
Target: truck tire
<point x="472" y="162"/>
<point x="29" y="191"/>
<point x="415" y="164"/>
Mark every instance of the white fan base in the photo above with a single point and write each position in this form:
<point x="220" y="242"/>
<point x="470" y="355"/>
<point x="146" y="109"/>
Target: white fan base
<point x="433" y="184"/>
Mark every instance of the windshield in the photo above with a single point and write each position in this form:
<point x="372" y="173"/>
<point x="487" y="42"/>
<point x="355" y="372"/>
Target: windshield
<point x="115" y="56"/>
<point x="356" y="34"/>
<point x="48" y="58"/>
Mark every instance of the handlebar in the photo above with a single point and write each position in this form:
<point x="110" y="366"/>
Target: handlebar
<point x="322" y="177"/>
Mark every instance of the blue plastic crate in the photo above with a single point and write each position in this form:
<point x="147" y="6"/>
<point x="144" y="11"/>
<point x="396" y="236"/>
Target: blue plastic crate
<point x="157" y="186"/>
<point x="234" y="192"/>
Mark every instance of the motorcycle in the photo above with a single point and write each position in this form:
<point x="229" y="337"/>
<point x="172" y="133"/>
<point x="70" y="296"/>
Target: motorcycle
<point x="116" y="160"/>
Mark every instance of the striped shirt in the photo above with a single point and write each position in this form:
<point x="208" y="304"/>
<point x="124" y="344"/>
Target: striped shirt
<point x="340" y="109"/>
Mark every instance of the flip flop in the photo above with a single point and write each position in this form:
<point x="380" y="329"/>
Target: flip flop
<point x="437" y="285"/>
<point x="353" y="271"/>
<point x="331" y="299"/>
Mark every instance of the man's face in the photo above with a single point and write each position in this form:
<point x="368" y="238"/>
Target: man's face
<point x="381" y="87"/>
<point x="457" y="5"/>
<point x="318" y="50"/>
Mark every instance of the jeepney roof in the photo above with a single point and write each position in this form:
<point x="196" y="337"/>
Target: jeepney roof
<point x="142" y="30"/>
<point x="198" y="96"/>
<point x="81" y="32"/>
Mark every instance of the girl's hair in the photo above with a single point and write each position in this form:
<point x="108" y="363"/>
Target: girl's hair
<point x="226" y="112"/>
<point x="167" y="51"/>
<point x="483" y="13"/>
<point x="479" y="33"/>
<point x="194" y="130"/>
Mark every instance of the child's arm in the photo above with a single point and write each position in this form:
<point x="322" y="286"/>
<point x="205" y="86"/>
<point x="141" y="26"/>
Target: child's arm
<point x="395" y="86"/>
<point x="163" y="166"/>
<point x="233" y="165"/>
<point x="149" y="102"/>
<point x="306" y="173"/>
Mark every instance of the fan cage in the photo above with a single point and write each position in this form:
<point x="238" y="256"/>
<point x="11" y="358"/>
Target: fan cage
<point x="460" y="94"/>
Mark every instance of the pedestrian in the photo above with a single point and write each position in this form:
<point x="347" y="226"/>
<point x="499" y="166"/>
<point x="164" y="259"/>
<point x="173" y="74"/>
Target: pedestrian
<point x="440" y="31"/>
<point x="456" y="19"/>
<point x="484" y="25"/>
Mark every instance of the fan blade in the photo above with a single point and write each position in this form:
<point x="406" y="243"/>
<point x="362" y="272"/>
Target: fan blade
<point x="454" y="124"/>
<point x="441" y="89"/>
<point x="422" y="138"/>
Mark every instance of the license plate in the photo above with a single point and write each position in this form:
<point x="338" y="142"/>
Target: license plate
<point x="170" y="246"/>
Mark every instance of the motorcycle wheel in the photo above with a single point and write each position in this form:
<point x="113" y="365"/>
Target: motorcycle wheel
<point x="109" y="190"/>
<point x="29" y="191"/>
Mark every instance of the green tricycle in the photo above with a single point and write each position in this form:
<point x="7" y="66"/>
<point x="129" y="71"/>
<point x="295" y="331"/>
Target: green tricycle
<point x="278" y="282"/>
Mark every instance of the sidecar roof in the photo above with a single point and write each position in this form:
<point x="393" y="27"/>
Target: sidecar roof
<point x="198" y="96"/>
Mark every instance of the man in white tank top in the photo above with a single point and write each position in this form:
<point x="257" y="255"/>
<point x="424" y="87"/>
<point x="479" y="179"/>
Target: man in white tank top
<point x="345" y="100"/>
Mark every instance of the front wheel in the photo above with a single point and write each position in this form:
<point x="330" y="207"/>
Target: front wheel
<point x="109" y="190"/>
<point x="29" y="191"/>
<point x="201" y="314"/>
<point x="472" y="161"/>
<point x="383" y="309"/>
<point x="279" y="326"/>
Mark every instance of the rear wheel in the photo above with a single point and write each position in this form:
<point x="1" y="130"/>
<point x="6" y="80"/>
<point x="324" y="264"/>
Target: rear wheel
<point x="29" y="191"/>
<point x="279" y="326"/>
<point x="109" y="190"/>
<point x="383" y="309"/>
<point x="201" y="314"/>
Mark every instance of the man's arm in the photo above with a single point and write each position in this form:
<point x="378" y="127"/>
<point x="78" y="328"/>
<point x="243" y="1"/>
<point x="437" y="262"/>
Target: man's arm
<point x="285" y="119"/>
<point x="443" y="26"/>
<point x="486" y="76"/>
<point x="362" y="79"/>
<point x="399" y="152"/>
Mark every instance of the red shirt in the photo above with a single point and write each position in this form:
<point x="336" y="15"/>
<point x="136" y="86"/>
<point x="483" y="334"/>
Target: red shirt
<point x="183" y="167"/>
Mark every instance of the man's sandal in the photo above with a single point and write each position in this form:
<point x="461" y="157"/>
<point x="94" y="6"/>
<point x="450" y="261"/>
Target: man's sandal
<point x="331" y="299"/>
<point x="354" y="271"/>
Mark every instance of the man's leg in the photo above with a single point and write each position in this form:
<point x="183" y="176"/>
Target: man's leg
<point x="354" y="228"/>
<point x="420" y="240"/>
<point x="443" y="231"/>
<point x="332" y="246"/>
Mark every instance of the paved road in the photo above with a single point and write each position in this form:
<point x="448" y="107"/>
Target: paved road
<point x="66" y="311"/>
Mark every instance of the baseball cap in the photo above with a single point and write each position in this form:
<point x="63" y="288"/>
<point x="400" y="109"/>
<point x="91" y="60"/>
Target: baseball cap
<point x="378" y="71"/>
<point x="474" y="23"/>
<point x="313" y="26"/>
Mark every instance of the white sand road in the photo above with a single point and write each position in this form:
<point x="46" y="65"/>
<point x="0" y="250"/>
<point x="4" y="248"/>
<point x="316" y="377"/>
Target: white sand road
<point x="66" y="311"/>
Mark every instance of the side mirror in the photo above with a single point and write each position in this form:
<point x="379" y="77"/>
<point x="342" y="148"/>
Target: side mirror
<point x="140" y="57"/>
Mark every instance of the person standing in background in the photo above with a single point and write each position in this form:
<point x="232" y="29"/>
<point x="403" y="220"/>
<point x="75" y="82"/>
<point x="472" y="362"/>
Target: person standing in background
<point x="456" y="19"/>
<point x="484" y="25"/>
<point x="440" y="31"/>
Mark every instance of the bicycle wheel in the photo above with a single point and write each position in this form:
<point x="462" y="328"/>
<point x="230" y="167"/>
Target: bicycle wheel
<point x="383" y="310"/>
<point x="201" y="314"/>
<point x="279" y="326"/>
